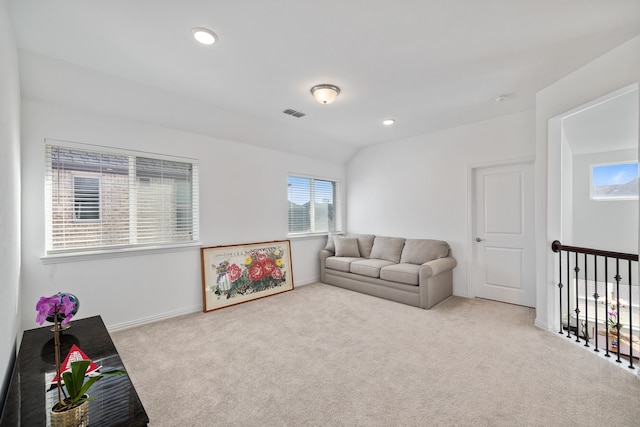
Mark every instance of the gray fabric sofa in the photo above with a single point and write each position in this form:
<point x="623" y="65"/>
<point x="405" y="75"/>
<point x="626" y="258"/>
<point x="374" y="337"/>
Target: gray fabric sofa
<point x="417" y="272"/>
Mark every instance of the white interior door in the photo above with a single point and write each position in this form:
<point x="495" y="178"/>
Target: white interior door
<point x="503" y="217"/>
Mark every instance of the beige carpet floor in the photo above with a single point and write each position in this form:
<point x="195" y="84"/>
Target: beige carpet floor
<point x="325" y="356"/>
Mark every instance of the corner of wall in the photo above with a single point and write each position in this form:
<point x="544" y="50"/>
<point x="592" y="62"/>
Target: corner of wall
<point x="10" y="206"/>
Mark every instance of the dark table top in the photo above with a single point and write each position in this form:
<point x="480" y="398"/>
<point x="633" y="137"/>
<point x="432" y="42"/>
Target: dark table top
<point x="31" y="396"/>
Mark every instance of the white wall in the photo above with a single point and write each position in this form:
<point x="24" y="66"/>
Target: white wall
<point x="610" y="225"/>
<point x="10" y="205"/>
<point x="614" y="70"/>
<point x="567" y="188"/>
<point x="243" y="199"/>
<point x="417" y="188"/>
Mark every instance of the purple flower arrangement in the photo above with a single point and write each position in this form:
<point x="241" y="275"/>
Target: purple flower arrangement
<point x="59" y="309"/>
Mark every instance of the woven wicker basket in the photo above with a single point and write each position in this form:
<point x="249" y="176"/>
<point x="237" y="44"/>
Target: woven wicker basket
<point x="74" y="417"/>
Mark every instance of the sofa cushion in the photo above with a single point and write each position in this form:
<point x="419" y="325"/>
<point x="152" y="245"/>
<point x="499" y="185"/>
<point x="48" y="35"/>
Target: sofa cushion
<point x="389" y="248"/>
<point x="365" y="242"/>
<point x="340" y="263"/>
<point x="419" y="251"/>
<point x="401" y="273"/>
<point x="346" y="246"/>
<point x="369" y="267"/>
<point x="330" y="246"/>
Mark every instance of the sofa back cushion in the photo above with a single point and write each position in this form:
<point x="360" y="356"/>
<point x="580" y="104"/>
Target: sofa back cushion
<point x="388" y="248"/>
<point x="365" y="242"/>
<point x="419" y="251"/>
<point x="330" y="246"/>
<point x="346" y="246"/>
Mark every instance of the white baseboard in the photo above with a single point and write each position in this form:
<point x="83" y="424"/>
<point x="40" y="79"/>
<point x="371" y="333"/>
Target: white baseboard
<point x="154" y="318"/>
<point x="307" y="282"/>
<point x="541" y="325"/>
<point x="180" y="312"/>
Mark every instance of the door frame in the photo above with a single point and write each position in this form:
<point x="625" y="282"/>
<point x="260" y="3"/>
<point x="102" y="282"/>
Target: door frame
<point x="471" y="169"/>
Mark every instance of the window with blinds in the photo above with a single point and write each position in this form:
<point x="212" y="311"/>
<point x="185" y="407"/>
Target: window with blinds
<point x="314" y="205"/>
<point x="96" y="199"/>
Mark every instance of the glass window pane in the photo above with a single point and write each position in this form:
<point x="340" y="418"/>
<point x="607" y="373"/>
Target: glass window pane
<point x="617" y="181"/>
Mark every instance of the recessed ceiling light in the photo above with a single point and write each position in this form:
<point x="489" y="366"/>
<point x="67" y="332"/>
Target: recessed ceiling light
<point x="388" y="122"/>
<point x="501" y="98"/>
<point x="204" y="35"/>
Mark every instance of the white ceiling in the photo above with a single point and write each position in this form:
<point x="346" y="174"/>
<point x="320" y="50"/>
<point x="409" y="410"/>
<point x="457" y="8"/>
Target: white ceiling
<point x="430" y="64"/>
<point x="607" y="126"/>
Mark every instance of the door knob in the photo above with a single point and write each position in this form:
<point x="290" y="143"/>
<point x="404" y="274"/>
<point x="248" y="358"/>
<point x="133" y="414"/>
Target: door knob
<point x="479" y="239"/>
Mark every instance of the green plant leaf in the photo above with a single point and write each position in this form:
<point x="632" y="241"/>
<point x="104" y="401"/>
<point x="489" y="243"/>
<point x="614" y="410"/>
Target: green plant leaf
<point x="93" y="379"/>
<point x="69" y="384"/>
<point x="78" y="371"/>
<point x="75" y="384"/>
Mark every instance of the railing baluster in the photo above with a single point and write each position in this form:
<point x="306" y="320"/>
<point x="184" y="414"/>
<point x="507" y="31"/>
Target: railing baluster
<point x="614" y="305"/>
<point x="577" y="309"/>
<point x="585" y="330"/>
<point x="595" y="299"/>
<point x="630" y="320"/>
<point x="560" y="289"/>
<point x="606" y="304"/>
<point x="617" y="277"/>
<point x="568" y="297"/>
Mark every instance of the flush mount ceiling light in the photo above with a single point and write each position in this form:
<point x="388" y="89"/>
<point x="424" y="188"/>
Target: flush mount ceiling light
<point x="501" y="98"/>
<point x="388" y="122"/>
<point x="204" y="35"/>
<point x="325" y="94"/>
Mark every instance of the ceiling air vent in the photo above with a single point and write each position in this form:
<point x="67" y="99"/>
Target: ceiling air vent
<point x="294" y="113"/>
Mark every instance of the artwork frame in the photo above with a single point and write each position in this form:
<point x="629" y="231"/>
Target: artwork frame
<point x="235" y="274"/>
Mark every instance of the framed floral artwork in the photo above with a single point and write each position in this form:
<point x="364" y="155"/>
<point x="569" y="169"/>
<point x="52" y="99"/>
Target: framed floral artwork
<point x="240" y="273"/>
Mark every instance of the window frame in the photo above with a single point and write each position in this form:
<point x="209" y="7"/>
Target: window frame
<point x="76" y="202"/>
<point x="595" y="198"/>
<point x="54" y="255"/>
<point x="337" y="206"/>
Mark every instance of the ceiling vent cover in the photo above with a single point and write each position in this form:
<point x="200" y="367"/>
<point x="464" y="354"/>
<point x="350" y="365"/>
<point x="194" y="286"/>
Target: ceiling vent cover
<point x="294" y="113"/>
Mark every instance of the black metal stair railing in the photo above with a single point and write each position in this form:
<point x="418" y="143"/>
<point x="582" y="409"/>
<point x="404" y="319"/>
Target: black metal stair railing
<point x="591" y="307"/>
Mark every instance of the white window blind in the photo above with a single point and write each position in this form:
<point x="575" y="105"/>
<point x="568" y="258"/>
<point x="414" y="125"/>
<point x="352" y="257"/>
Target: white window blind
<point x="96" y="199"/>
<point x="314" y="205"/>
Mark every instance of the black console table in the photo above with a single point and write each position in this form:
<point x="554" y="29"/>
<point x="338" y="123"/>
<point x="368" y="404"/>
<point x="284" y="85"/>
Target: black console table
<point x="30" y="396"/>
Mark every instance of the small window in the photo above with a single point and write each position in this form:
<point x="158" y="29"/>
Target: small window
<point x="616" y="181"/>
<point x="86" y="198"/>
<point x="313" y="205"/>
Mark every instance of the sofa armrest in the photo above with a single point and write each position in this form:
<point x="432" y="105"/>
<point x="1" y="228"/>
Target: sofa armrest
<point x="437" y="266"/>
<point x="436" y="281"/>
<point x="324" y="254"/>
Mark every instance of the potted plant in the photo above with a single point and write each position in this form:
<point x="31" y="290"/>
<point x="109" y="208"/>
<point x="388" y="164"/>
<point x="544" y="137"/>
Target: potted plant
<point x="72" y="409"/>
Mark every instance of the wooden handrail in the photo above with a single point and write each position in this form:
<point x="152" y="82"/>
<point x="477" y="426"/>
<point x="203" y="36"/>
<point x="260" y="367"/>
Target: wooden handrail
<point x="556" y="246"/>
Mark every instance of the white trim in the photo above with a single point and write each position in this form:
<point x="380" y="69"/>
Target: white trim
<point x="175" y="313"/>
<point x="600" y="100"/>
<point x="117" y="253"/>
<point x="114" y="150"/>
<point x="304" y="236"/>
<point x="547" y="294"/>
<point x="154" y="318"/>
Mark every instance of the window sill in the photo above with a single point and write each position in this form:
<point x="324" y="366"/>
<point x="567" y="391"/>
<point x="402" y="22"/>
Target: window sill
<point x="117" y="253"/>
<point x="312" y="235"/>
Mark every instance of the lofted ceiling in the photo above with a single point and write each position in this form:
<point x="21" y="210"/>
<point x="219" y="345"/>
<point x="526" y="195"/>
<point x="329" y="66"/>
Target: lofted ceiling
<point x="429" y="64"/>
<point x="607" y="126"/>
